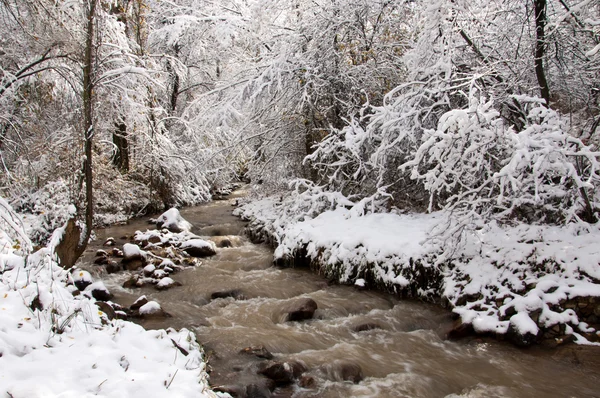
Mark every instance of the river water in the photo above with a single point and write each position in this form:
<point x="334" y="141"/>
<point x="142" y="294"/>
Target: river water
<point x="406" y="356"/>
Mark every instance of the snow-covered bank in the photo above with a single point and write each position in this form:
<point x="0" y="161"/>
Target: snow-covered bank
<point x="529" y="282"/>
<point x="53" y="343"/>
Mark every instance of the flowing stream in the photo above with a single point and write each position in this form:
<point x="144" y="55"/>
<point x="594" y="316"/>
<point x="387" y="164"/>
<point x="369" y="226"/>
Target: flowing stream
<point x="407" y="355"/>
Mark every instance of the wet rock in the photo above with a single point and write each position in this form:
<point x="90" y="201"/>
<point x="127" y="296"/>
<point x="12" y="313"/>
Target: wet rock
<point x="109" y="242"/>
<point x="113" y="267"/>
<point x="173" y="221"/>
<point x="132" y="252"/>
<point x="307" y="382"/>
<point x="142" y="300"/>
<point x="257" y="391"/>
<point x="344" y="371"/>
<point x="234" y="293"/>
<point x="137" y="281"/>
<point x="199" y="248"/>
<point x="154" y="239"/>
<point x="132" y="265"/>
<point x="167" y="283"/>
<point x="460" y="330"/>
<point x="520" y="339"/>
<point x="300" y="310"/>
<point x="363" y="327"/>
<point x="282" y="373"/>
<point x="101" y="253"/>
<point x="116" y="252"/>
<point x="258" y="351"/>
<point x="99" y="291"/>
<point x="101" y="260"/>
<point x="107" y="309"/>
<point x="151" y="310"/>
<point x="222" y="241"/>
<point x="149" y="269"/>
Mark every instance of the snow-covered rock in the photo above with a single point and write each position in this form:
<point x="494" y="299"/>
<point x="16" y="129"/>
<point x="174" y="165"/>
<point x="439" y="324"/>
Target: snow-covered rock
<point x="151" y="307"/>
<point x="167" y="283"/>
<point x="173" y="221"/>
<point x="132" y="252"/>
<point x="99" y="291"/>
<point x="82" y="279"/>
<point x="199" y="248"/>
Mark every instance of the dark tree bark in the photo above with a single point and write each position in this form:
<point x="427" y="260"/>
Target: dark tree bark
<point x="540" y="48"/>
<point x="75" y="239"/>
<point x="121" y="156"/>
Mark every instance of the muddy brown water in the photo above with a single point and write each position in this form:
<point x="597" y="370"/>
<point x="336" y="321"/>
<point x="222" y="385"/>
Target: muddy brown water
<point x="407" y="357"/>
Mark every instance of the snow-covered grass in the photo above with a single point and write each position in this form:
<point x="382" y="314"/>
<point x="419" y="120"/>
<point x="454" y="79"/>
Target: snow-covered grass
<point x="503" y="278"/>
<point x="53" y="343"/>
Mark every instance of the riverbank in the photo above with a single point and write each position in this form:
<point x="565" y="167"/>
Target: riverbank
<point x="528" y="284"/>
<point x="56" y="340"/>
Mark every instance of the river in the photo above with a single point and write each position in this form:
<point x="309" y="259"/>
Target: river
<point x="404" y="355"/>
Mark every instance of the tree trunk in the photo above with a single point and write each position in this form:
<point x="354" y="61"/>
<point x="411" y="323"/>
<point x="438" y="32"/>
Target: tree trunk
<point x="88" y="127"/>
<point x="540" y="48"/>
<point x="121" y="156"/>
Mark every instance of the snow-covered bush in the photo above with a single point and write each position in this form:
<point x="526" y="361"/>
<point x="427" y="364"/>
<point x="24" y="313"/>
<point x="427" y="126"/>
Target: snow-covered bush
<point x="45" y="210"/>
<point x="479" y="169"/>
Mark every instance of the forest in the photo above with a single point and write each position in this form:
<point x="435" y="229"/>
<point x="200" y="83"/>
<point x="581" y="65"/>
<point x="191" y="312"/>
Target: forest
<point x="470" y="125"/>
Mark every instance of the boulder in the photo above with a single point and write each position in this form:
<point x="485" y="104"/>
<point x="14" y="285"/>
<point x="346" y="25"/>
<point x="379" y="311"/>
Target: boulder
<point x="199" y="248"/>
<point x="109" y="242"/>
<point x="234" y="293"/>
<point x="132" y="252"/>
<point x="307" y="382"/>
<point x="258" y="351"/>
<point x="460" y="330"/>
<point x="300" y="310"/>
<point x="151" y="309"/>
<point x="282" y="373"/>
<point x="154" y="239"/>
<point x="99" y="291"/>
<point x="133" y="265"/>
<point x="113" y="267"/>
<point x="365" y="327"/>
<point x="341" y="370"/>
<point x="142" y="300"/>
<point x="81" y="279"/>
<point x="101" y="260"/>
<point x="107" y="309"/>
<point x="167" y="283"/>
<point x="256" y="390"/>
<point x="172" y="220"/>
<point x="522" y="330"/>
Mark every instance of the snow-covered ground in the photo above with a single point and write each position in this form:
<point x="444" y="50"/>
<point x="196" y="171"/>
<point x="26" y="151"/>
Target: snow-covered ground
<point x="503" y="279"/>
<point x="55" y="344"/>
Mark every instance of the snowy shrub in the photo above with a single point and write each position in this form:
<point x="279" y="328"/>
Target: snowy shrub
<point x="46" y="210"/>
<point x="551" y="176"/>
<point x="13" y="236"/>
<point x="477" y="169"/>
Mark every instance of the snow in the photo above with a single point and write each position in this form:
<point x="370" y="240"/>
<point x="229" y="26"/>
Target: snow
<point x="151" y="307"/>
<point x="82" y="276"/>
<point x="53" y="344"/>
<point x="523" y="323"/>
